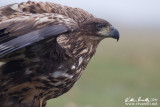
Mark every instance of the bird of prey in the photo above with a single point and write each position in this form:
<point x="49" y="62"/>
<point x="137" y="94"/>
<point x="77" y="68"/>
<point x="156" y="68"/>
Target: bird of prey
<point x="44" y="49"/>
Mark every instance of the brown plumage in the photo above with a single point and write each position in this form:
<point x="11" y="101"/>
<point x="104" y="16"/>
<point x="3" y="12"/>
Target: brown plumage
<point x="44" y="48"/>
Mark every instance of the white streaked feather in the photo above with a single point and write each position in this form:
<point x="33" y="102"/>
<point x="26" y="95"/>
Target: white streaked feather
<point x="73" y="67"/>
<point x="28" y="71"/>
<point x="56" y="74"/>
<point x="60" y="73"/>
<point x="15" y="7"/>
<point x="67" y="75"/>
<point x="80" y="61"/>
<point x="84" y="51"/>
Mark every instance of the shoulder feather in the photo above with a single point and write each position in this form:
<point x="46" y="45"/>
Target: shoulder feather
<point x="77" y="14"/>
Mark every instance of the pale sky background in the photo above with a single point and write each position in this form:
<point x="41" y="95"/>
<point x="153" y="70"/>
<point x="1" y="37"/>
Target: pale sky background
<point x="121" y="13"/>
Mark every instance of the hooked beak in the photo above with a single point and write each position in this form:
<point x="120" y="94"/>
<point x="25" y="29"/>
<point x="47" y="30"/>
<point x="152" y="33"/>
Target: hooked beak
<point x="109" y="31"/>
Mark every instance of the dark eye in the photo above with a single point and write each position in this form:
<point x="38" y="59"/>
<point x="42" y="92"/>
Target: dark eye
<point x="99" y="25"/>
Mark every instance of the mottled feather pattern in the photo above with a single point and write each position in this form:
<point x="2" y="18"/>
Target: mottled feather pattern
<point x="36" y="21"/>
<point x="44" y="7"/>
<point x="45" y="47"/>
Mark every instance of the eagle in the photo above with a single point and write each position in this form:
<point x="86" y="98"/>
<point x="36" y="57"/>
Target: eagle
<point x="44" y="49"/>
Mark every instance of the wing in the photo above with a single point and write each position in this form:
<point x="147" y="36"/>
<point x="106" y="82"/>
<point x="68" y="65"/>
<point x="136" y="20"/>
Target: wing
<point x="27" y="29"/>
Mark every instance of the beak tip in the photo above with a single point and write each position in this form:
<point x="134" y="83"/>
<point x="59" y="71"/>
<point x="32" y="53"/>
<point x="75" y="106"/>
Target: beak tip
<point x="116" y="34"/>
<point x="117" y="40"/>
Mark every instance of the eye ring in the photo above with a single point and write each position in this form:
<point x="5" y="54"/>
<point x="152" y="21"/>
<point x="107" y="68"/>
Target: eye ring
<point x="99" y="25"/>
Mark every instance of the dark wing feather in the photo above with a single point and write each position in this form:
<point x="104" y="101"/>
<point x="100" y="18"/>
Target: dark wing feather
<point x="29" y="38"/>
<point x="15" y="37"/>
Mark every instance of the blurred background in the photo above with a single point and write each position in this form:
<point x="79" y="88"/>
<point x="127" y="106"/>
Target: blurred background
<point x="127" y="68"/>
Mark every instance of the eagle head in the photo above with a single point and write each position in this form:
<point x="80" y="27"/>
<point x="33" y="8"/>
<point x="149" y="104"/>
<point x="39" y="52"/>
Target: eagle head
<point x="99" y="29"/>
